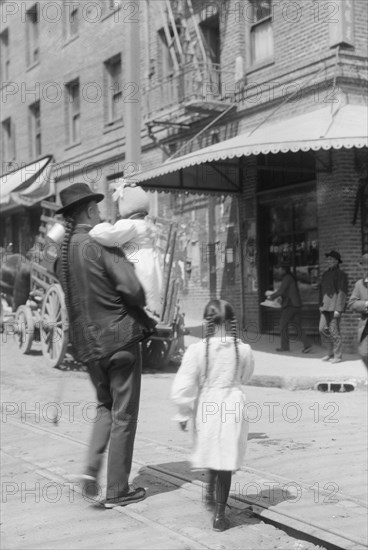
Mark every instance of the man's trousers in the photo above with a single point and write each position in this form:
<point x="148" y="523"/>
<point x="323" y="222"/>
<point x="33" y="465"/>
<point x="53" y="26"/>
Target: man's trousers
<point x="329" y="328"/>
<point x="118" y="384"/>
<point x="291" y="316"/>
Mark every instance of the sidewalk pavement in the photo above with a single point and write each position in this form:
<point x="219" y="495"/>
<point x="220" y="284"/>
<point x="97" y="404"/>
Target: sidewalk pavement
<point x="294" y="370"/>
<point x="323" y="516"/>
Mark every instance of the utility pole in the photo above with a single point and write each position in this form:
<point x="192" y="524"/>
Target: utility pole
<point x="132" y="88"/>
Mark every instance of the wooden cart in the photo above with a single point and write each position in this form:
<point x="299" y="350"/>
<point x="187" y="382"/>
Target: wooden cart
<point x="44" y="317"/>
<point x="167" y="345"/>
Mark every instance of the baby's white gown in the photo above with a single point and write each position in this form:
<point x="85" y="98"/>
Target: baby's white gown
<point x="137" y="237"/>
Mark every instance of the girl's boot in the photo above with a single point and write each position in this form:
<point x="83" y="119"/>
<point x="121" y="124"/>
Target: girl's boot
<point x="220" y="522"/>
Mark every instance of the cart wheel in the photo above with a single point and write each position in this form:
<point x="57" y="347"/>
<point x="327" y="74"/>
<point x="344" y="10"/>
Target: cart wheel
<point x="54" y="326"/>
<point x="25" y="328"/>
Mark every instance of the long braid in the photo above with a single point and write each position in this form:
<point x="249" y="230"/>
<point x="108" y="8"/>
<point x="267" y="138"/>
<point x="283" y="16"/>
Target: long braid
<point x="80" y="342"/>
<point x="209" y="332"/>
<point x="65" y="272"/>
<point x="219" y="313"/>
<point x="234" y="332"/>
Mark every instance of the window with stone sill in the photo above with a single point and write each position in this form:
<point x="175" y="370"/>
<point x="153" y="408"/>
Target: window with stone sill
<point x="35" y="142"/>
<point x="5" y="56"/>
<point x="8" y="140"/>
<point x="113" y="95"/>
<point x="71" y="20"/>
<point x="73" y="112"/>
<point x="261" y="32"/>
<point x="168" y="50"/>
<point x="32" y="31"/>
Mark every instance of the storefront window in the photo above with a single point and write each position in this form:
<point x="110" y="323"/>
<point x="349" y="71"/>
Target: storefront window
<point x="290" y="231"/>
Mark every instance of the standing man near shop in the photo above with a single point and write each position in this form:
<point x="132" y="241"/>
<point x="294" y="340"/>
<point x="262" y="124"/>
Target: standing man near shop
<point x="333" y="294"/>
<point x="291" y="309"/>
<point x="359" y="303"/>
<point x="105" y="301"/>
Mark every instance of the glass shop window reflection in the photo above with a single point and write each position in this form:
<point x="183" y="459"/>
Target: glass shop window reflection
<point x="293" y="237"/>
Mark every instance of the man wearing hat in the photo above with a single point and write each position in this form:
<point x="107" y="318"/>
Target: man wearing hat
<point x="333" y="293"/>
<point x="291" y="306"/>
<point x="359" y="303"/>
<point x="105" y="301"/>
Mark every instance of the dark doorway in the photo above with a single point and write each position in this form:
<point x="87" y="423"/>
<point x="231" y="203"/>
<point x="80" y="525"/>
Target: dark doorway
<point x="288" y="231"/>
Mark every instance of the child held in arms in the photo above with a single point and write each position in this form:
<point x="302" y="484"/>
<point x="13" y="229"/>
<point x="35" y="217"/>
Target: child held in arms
<point x="137" y="234"/>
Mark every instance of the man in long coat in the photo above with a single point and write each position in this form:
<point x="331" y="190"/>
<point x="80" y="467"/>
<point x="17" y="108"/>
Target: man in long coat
<point x="105" y="301"/>
<point x="359" y="303"/>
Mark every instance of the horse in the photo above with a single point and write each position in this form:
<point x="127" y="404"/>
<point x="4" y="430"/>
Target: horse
<point x="15" y="279"/>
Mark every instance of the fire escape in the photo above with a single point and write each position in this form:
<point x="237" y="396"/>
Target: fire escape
<point x="191" y="85"/>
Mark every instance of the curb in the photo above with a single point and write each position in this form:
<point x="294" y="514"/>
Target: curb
<point x="306" y="383"/>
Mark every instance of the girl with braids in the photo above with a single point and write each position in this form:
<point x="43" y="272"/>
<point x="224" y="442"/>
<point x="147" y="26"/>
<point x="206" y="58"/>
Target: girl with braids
<point x="105" y="302"/>
<point x="208" y="388"/>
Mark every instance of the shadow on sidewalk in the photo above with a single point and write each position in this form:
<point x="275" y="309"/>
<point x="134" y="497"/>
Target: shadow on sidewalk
<point x="35" y="352"/>
<point x="155" y="477"/>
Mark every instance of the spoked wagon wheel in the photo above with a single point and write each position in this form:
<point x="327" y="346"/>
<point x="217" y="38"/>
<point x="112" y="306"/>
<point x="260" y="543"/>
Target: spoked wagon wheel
<point x="25" y="328"/>
<point x="54" y="325"/>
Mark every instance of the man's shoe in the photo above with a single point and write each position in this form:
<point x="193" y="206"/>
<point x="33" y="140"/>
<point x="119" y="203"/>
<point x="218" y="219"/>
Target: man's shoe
<point x="135" y="495"/>
<point x="90" y="487"/>
<point x="327" y="358"/>
<point x="336" y="360"/>
<point x="282" y="349"/>
<point x="307" y="349"/>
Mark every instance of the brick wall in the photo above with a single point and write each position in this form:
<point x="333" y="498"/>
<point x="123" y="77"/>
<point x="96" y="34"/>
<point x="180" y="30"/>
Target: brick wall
<point x="336" y="192"/>
<point x="300" y="40"/>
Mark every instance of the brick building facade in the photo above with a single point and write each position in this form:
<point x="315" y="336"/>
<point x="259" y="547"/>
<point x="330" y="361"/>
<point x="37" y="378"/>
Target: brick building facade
<point x="64" y="94"/>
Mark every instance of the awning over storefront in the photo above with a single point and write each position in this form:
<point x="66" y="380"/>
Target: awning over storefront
<point x="215" y="168"/>
<point x="27" y="185"/>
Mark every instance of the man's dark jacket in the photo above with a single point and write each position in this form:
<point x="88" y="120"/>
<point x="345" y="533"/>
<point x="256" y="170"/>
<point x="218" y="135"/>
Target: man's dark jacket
<point x="106" y="299"/>
<point x="289" y="292"/>
<point x="333" y="290"/>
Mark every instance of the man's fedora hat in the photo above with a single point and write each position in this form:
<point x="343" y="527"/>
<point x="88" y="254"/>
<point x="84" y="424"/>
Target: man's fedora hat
<point x="335" y="255"/>
<point x="76" y="194"/>
<point x="364" y="260"/>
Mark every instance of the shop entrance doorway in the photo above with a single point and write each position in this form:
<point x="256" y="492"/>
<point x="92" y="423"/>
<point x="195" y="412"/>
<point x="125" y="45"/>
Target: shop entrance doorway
<point x="288" y="231"/>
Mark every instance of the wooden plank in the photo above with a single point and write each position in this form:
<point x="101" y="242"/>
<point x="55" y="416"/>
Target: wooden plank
<point x="40" y="272"/>
<point x="39" y="269"/>
<point x="37" y="282"/>
<point x="171" y="259"/>
<point x="50" y="205"/>
<point x="172" y="302"/>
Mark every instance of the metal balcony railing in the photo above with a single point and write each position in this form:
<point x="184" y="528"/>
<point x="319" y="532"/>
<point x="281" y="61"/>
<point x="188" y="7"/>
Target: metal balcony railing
<point x="202" y="83"/>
